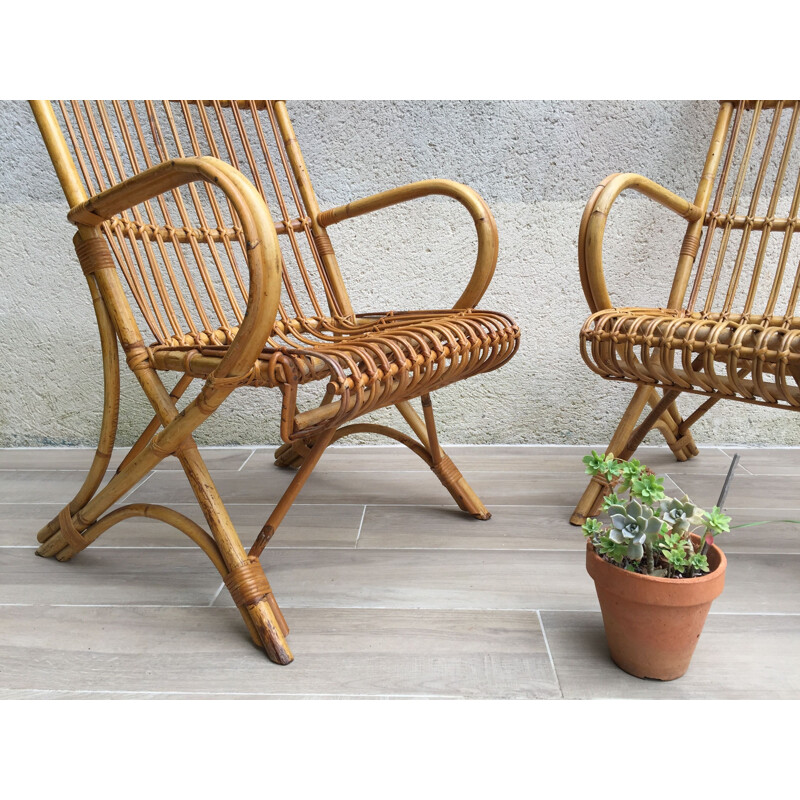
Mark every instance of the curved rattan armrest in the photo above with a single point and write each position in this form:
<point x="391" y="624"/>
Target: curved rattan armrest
<point x="263" y="252"/>
<point x="484" y="225"/>
<point x="593" y="224"/>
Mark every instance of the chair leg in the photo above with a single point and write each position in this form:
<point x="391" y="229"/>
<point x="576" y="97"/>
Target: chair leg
<point x="306" y="467"/>
<point x="676" y="433"/>
<point x="246" y="580"/>
<point x="592" y="497"/>
<point x="293" y="455"/>
<point x="290" y="455"/>
<point x="108" y="430"/>
<point x="665" y="417"/>
<point x="441" y="464"/>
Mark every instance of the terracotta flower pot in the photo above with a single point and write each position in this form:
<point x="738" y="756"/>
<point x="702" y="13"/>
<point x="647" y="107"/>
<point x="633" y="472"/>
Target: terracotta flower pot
<point x="653" y="624"/>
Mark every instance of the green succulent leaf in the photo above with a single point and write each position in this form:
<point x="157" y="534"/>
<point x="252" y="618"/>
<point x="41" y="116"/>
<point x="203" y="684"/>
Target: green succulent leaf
<point x="699" y="562"/>
<point x="604" y="465"/>
<point x="717" y="522"/>
<point x="648" y="488"/>
<point x="613" y="550"/>
<point x="652" y="526"/>
<point x="629" y="471"/>
<point x="592" y="528"/>
<point x="635" y="551"/>
<point x="634" y="509"/>
<point x="610" y="500"/>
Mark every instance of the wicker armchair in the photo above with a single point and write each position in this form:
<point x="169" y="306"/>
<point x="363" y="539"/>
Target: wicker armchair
<point x="729" y="329"/>
<point x="172" y="204"/>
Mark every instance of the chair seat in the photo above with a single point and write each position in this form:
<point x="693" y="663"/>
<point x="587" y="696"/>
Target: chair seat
<point x="396" y="350"/>
<point x="740" y="356"/>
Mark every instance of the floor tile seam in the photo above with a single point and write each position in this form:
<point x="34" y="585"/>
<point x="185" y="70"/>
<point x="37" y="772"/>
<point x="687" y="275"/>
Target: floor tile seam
<point x="106" y="605"/>
<point x="472" y="471"/>
<point x="437" y="609"/>
<point x="360" y="527"/>
<point x="326" y="503"/>
<point x="549" y="653"/>
<point x="252" y="453"/>
<point x="319" y="503"/>
<point x="330" y="503"/>
<point x="694" y="475"/>
<point x="347" y="548"/>
<point x="286" y="607"/>
<point x="161" y="692"/>
<point x="321" y="470"/>
<point x="400" y="448"/>
<point x="216" y="594"/>
<point x="711" y="613"/>
<point x="138" y="486"/>
<point x="794" y="474"/>
<point x="394" y="549"/>
<point x="82" y="470"/>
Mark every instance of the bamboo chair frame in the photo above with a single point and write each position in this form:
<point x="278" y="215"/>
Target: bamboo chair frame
<point x="160" y="196"/>
<point x="729" y="329"/>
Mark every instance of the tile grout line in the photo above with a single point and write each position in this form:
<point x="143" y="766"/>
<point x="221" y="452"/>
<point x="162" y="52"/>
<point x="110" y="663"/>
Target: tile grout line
<point x="137" y="486"/>
<point x="221" y="693"/>
<point x="395" y="549"/>
<point x="216" y="594"/>
<point x="549" y="652"/>
<point x="438" y="609"/>
<point x="360" y="526"/>
<point x="252" y="453"/>
<point x="741" y="466"/>
<point x="323" y="503"/>
<point x="486" y="471"/>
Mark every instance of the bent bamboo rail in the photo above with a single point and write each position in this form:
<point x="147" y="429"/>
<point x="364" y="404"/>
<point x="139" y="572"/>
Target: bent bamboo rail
<point x="485" y="226"/>
<point x="593" y="225"/>
<point x="263" y="260"/>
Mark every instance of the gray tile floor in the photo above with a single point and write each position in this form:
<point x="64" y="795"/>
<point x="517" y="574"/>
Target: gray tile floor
<point x="386" y="598"/>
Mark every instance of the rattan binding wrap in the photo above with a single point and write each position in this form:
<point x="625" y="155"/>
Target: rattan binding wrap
<point x="71" y="533"/>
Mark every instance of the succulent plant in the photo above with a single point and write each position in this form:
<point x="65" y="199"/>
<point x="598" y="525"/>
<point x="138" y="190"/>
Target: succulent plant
<point x="632" y="525"/>
<point x="648" y="487"/>
<point x="604" y="465"/>
<point x="592" y="529"/>
<point x="649" y="532"/>
<point x="717" y="521"/>
<point x="679" y="515"/>
<point x="630" y="471"/>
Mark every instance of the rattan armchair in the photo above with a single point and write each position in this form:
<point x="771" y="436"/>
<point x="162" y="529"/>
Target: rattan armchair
<point x="173" y="205"/>
<point x="728" y="330"/>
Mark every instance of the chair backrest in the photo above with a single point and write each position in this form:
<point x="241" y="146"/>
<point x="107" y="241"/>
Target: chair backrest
<point x="748" y="262"/>
<point x="182" y="254"/>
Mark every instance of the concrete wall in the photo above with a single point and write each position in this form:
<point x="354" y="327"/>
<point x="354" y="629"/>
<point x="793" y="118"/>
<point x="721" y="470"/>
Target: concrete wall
<point x="536" y="163"/>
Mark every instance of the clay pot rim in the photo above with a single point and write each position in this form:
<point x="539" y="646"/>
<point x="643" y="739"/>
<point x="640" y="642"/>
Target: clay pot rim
<point x="700" y="579"/>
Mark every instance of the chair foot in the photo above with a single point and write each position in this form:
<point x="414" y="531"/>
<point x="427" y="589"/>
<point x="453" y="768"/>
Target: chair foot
<point x="251" y="592"/>
<point x="65" y="541"/>
<point x="591" y="501"/>
<point x="592" y="498"/>
<point x="290" y="455"/>
<point x="670" y="425"/>
<point x="455" y="483"/>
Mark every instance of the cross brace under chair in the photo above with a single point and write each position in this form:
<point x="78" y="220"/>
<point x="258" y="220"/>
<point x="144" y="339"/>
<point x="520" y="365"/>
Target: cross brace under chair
<point x="174" y="234"/>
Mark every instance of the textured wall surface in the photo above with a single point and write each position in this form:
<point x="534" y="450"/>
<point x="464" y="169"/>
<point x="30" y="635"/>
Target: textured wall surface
<point x="535" y="163"/>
